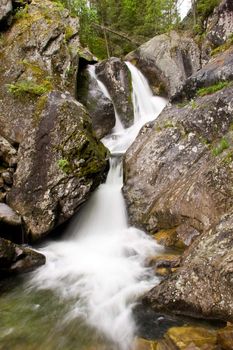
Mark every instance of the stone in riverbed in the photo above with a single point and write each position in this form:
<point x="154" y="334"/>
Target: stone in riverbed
<point x="18" y="259"/>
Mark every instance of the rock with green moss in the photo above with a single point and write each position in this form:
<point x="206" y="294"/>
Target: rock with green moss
<point x="99" y="106"/>
<point x="167" y="60"/>
<point x="17" y="259"/>
<point x="116" y="77"/>
<point x="60" y="162"/>
<point x="39" y="53"/>
<point x="215" y="75"/>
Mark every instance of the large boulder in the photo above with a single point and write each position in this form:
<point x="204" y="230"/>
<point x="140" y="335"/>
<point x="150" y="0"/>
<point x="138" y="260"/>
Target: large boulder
<point x="203" y="285"/>
<point x="178" y="172"/>
<point x="17" y="259"/>
<point x="60" y="163"/>
<point x="99" y="106"/>
<point x="116" y="77"/>
<point x="167" y="61"/>
<point x="39" y="53"/>
<point x="220" y="24"/>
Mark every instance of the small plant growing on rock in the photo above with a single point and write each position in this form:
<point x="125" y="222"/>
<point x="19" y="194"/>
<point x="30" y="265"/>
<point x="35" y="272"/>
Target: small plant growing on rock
<point x="64" y="165"/>
<point x="30" y="87"/>
<point x="223" y="144"/>
<point x="213" y="88"/>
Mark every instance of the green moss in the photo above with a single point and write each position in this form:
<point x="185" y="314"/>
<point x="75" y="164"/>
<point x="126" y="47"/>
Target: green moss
<point x="223" y="145"/>
<point x="22" y="12"/>
<point x="29" y="87"/>
<point x="168" y="125"/>
<point x="64" y="165"/>
<point x="213" y="88"/>
<point x="193" y="104"/>
<point x="228" y="158"/>
<point x="69" y="32"/>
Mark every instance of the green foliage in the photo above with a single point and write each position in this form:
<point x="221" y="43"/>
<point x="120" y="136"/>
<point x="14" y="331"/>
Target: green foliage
<point x="223" y="144"/>
<point x="21" y="12"/>
<point x="64" y="165"/>
<point x="223" y="47"/>
<point x="29" y="87"/>
<point x="213" y="88"/>
<point x="206" y="7"/>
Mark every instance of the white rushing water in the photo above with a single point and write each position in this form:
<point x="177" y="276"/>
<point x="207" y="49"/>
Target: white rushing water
<point x="100" y="266"/>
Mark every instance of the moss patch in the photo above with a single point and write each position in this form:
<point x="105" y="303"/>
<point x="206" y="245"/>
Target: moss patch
<point x="213" y="88"/>
<point x="29" y="87"/>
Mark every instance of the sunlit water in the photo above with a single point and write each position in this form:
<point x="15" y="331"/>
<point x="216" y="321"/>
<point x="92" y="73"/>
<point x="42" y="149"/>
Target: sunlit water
<point x="85" y="293"/>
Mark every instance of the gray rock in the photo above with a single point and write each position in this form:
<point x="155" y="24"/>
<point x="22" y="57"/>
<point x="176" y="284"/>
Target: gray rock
<point x="220" y="24"/>
<point x="60" y="163"/>
<point x="179" y="169"/>
<point x="18" y="259"/>
<point x="203" y="285"/>
<point x="5" y="10"/>
<point x="100" y="108"/>
<point x="39" y="54"/>
<point x="116" y="77"/>
<point x="167" y="61"/>
<point x="216" y="70"/>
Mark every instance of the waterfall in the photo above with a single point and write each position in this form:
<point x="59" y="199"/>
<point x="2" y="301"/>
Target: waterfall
<point x="100" y="266"/>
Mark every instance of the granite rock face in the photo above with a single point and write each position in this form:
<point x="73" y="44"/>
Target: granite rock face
<point x="39" y="53"/>
<point x="178" y="172"/>
<point x="5" y="11"/>
<point x="167" y="61"/>
<point x="60" y="163"/>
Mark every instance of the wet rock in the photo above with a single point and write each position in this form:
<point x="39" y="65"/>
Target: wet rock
<point x="60" y="163"/>
<point x="178" y="172"/>
<point x="144" y="344"/>
<point x="179" y="238"/>
<point x="100" y="107"/>
<point x="218" y="69"/>
<point x="166" y="61"/>
<point x="202" y="286"/>
<point x="225" y="338"/>
<point x="39" y="53"/>
<point x="5" y="11"/>
<point x="116" y="77"/>
<point x="18" y="259"/>
<point x="220" y="24"/>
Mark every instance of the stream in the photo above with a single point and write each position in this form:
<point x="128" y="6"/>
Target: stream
<point x="83" y="297"/>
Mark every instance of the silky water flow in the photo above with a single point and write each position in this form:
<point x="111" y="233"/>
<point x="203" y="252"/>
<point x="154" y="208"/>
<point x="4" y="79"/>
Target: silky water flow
<point x="98" y="269"/>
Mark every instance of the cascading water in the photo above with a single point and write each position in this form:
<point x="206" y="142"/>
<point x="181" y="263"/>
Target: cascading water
<point x="99" y="271"/>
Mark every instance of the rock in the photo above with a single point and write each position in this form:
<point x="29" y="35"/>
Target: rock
<point x="5" y="11"/>
<point x="39" y="54"/>
<point x="60" y="163"/>
<point x="8" y="216"/>
<point x="177" y="238"/>
<point x="189" y="338"/>
<point x="166" y="61"/>
<point x="218" y="69"/>
<point x="8" y="153"/>
<point x="202" y="286"/>
<point x="220" y="24"/>
<point x="225" y="338"/>
<point x="100" y="107"/>
<point x="178" y="172"/>
<point x="144" y="344"/>
<point x="165" y="260"/>
<point x="116" y="77"/>
<point x="18" y="259"/>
